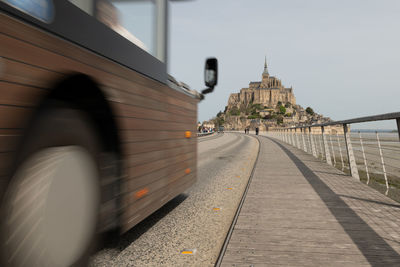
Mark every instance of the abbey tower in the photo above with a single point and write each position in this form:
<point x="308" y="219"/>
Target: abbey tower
<point x="264" y="104"/>
<point x="267" y="92"/>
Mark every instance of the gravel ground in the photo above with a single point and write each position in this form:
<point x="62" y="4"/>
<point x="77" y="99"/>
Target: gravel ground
<point x="190" y="229"/>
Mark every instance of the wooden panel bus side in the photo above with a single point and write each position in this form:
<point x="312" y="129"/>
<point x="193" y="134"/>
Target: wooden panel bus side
<point x="151" y="117"/>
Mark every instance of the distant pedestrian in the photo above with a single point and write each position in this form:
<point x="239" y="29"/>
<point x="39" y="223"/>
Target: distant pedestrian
<point x="256" y="130"/>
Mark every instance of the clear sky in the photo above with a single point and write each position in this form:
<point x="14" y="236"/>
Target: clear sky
<point x="342" y="57"/>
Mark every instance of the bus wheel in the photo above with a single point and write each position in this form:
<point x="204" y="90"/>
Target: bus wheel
<point x="52" y="203"/>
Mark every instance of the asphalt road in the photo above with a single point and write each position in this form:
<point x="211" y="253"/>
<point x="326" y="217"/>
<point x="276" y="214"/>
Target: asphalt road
<point x="190" y="229"/>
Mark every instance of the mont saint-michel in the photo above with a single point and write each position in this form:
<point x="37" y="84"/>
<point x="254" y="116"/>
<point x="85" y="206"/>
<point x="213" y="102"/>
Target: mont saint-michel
<point x="269" y="91"/>
<point x="264" y="104"/>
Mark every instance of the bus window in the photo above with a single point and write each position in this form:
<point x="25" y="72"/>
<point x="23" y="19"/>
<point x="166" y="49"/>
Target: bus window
<point x="85" y="5"/>
<point x="132" y="19"/>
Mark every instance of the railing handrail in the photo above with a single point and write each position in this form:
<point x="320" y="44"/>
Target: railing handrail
<point x="386" y="116"/>
<point x="291" y="136"/>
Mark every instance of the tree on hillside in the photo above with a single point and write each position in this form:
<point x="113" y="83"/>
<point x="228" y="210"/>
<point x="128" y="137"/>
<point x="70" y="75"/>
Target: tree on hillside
<point x="234" y="111"/>
<point x="256" y="106"/>
<point x="255" y="116"/>
<point x="218" y="122"/>
<point x="254" y="112"/>
<point x="310" y="111"/>
<point x="279" y="119"/>
<point x="282" y="110"/>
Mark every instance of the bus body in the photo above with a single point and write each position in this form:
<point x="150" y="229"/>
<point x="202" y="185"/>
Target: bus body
<point x="146" y="124"/>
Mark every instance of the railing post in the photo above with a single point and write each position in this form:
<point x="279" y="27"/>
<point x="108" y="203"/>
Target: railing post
<point x="298" y="140"/>
<point x="340" y="151"/>
<point x="365" y="159"/>
<point x="322" y="146"/>
<point x="326" y="147"/>
<point x="311" y="142"/>
<point x="304" y="141"/>
<point x="383" y="164"/>
<point x="350" y="154"/>
<point x="316" y="145"/>
<point x="301" y="139"/>
<point x="287" y="135"/>
<point x="333" y="151"/>
<point x="398" y="126"/>
<point x="292" y="137"/>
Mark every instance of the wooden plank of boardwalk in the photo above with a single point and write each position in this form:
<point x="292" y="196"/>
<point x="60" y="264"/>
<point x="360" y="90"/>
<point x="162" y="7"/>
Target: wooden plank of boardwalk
<point x="300" y="211"/>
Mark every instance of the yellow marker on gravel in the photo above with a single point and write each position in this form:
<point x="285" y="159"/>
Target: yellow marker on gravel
<point x="216" y="209"/>
<point x="188" y="251"/>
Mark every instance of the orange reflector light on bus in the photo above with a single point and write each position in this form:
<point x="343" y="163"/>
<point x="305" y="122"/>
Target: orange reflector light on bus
<point x="187" y="171"/>
<point x="188" y="134"/>
<point x="141" y="193"/>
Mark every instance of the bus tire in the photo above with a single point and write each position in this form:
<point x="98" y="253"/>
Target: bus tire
<point x="52" y="203"/>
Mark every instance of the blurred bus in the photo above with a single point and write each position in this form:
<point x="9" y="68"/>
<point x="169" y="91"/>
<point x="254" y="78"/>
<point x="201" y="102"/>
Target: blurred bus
<point x="94" y="134"/>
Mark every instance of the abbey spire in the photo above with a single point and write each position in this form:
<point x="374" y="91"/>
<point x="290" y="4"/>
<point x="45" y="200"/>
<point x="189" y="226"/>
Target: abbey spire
<point x="265" y="66"/>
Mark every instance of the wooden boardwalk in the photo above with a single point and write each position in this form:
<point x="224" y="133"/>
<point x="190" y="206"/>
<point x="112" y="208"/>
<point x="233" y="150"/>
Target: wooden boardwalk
<point x="300" y="211"/>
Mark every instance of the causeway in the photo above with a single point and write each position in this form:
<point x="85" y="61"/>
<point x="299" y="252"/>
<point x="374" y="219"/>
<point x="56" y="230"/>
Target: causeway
<point x="300" y="211"/>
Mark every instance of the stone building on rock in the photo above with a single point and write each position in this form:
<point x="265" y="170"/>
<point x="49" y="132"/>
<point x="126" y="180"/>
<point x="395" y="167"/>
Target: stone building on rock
<point x="267" y="92"/>
<point x="266" y="104"/>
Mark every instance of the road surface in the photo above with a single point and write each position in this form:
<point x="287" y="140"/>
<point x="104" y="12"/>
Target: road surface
<point x="190" y="229"/>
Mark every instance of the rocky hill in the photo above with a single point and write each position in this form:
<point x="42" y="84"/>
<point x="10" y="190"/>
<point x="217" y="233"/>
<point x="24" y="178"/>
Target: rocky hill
<point x="264" y="104"/>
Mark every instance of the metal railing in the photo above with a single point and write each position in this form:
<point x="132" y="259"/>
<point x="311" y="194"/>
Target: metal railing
<point x="204" y="134"/>
<point x="371" y="157"/>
